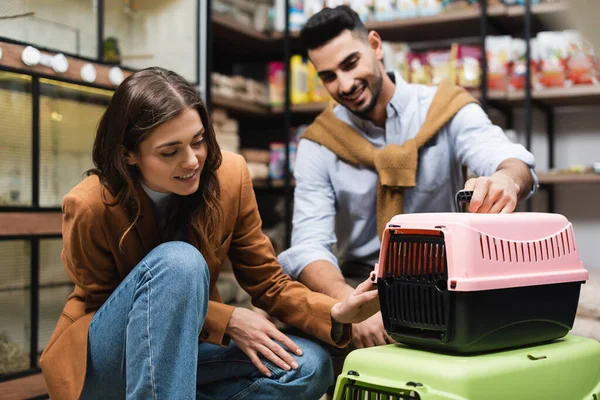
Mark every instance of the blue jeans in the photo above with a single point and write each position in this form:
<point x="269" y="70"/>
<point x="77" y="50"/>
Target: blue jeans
<point x="143" y="342"/>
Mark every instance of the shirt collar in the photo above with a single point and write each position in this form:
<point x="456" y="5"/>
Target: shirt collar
<point x="401" y="97"/>
<point x="158" y="198"/>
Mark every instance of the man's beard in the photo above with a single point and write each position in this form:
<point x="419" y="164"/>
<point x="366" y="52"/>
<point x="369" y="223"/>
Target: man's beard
<point x="375" y="85"/>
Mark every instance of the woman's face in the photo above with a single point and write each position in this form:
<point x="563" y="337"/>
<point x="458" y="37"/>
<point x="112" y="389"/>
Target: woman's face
<point x="172" y="156"/>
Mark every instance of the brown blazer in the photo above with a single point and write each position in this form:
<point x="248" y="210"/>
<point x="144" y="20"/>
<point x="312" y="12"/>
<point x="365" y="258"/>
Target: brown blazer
<point x="91" y="233"/>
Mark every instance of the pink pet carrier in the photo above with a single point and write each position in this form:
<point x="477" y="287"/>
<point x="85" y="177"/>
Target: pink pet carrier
<point x="467" y="283"/>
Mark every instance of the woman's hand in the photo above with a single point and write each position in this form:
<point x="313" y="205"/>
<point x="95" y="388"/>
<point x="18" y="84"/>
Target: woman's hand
<point x="362" y="303"/>
<point x="254" y="335"/>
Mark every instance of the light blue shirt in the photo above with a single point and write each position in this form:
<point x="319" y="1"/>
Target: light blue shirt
<point x="335" y="202"/>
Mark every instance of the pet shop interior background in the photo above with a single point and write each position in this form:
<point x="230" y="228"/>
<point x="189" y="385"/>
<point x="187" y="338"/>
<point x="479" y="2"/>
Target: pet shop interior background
<point x="60" y="64"/>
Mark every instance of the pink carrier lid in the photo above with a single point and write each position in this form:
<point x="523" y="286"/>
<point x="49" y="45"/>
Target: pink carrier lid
<point x="494" y="251"/>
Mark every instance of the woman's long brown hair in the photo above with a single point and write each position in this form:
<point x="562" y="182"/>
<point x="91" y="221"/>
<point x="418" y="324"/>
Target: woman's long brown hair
<point x="142" y="102"/>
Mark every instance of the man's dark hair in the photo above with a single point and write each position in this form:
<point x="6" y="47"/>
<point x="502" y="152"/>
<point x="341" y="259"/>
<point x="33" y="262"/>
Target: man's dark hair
<point x="329" y="23"/>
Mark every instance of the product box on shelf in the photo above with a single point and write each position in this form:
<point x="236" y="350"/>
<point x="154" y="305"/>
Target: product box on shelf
<point x="276" y="74"/>
<point x="311" y="7"/>
<point x="420" y="71"/>
<point x="440" y="62"/>
<point x="395" y="57"/>
<point x="581" y="68"/>
<point x="364" y="9"/>
<point x="407" y="8"/>
<point x="468" y="65"/>
<point x="300" y="93"/>
<point x="553" y="56"/>
<point x="430" y="7"/>
<point x="385" y="10"/>
<point x="317" y="91"/>
<point x="518" y="69"/>
<point x="498" y="59"/>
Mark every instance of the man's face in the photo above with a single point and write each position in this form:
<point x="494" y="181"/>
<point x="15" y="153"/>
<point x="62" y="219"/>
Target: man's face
<point x="349" y="67"/>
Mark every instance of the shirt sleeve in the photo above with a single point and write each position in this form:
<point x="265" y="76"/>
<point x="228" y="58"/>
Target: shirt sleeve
<point x="483" y="146"/>
<point x="313" y="233"/>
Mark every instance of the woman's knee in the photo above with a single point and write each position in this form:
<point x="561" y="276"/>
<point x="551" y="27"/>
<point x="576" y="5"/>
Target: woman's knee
<point x="181" y="260"/>
<point x="315" y="365"/>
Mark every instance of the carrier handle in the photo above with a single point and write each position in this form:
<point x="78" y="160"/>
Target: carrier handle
<point x="462" y="197"/>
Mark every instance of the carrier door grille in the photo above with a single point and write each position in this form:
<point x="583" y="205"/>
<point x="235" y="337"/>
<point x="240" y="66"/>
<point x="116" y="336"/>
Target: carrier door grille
<point x="419" y="258"/>
<point x="356" y="392"/>
<point x="413" y="291"/>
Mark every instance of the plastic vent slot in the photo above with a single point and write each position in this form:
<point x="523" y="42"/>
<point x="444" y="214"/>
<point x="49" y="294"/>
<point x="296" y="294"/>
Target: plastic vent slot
<point x="501" y="250"/>
<point x="355" y="392"/>
<point x="414" y="291"/>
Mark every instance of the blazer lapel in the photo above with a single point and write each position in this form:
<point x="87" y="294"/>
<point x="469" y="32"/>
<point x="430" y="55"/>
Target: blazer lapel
<point x="147" y="227"/>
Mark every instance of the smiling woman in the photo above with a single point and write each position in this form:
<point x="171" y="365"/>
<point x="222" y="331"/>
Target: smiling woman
<point x="172" y="155"/>
<point x="145" y="236"/>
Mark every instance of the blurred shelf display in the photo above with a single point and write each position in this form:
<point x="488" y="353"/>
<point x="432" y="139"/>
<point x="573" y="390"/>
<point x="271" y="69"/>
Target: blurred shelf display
<point x="15" y="327"/>
<point x="543" y="9"/>
<point x="565" y="68"/>
<point x="240" y="107"/>
<point x="29" y="60"/>
<point x="30" y="223"/>
<point x="16" y="102"/>
<point x="450" y="24"/>
<point x="15" y="294"/>
<point x="141" y="34"/>
<point x="551" y="178"/>
<point x="226" y="130"/>
<point x="248" y="108"/>
<point x="306" y="108"/>
<point x="580" y="95"/>
<point x="573" y="96"/>
<point x="227" y="29"/>
<point x="66" y="121"/>
<point x="28" y="387"/>
<point x="240" y="94"/>
<point x="69" y="116"/>
<point x="73" y="30"/>
<point x="454" y="23"/>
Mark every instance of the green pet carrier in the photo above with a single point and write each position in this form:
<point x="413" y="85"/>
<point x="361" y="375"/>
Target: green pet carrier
<point x="565" y="369"/>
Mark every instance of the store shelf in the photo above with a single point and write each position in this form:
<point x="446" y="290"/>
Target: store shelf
<point x="227" y="30"/>
<point x="278" y="36"/>
<point x="557" y="8"/>
<point x="30" y="223"/>
<point x="28" y="387"/>
<point x="544" y="17"/>
<point x="573" y="96"/>
<point x="237" y="107"/>
<point x="576" y="95"/>
<point x="460" y="23"/>
<point x="245" y="108"/>
<point x="451" y="24"/>
<point x="12" y="60"/>
<point x="547" y="178"/>
<point x="308" y="108"/>
<point x="581" y="95"/>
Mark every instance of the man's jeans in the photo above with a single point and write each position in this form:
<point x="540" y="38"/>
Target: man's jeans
<point x="143" y="342"/>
